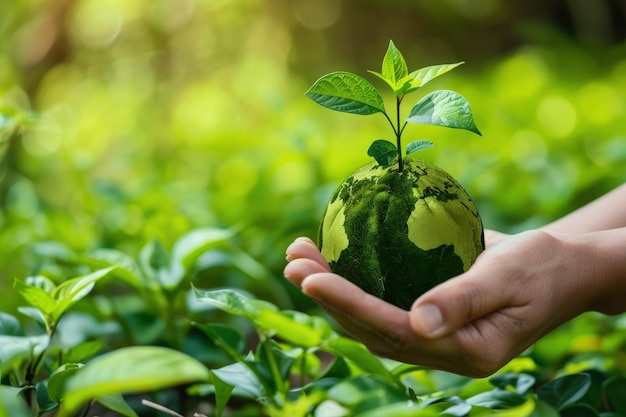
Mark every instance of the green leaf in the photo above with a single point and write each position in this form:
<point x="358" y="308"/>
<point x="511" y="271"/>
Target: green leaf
<point x="130" y="369"/>
<point x="394" y="69"/>
<point x="358" y="354"/>
<point x="614" y="389"/>
<point x="365" y="390"/>
<point x="444" y="108"/>
<point x="12" y="404"/>
<point x="418" y="145"/>
<point x="223" y="392"/>
<point x="245" y="382"/>
<point x="422" y="76"/>
<point x="230" y="301"/>
<point x="522" y="383"/>
<point x="73" y="290"/>
<point x="57" y="380"/>
<point x="224" y="337"/>
<point x="126" y="268"/>
<point x="117" y="403"/>
<point x="10" y="325"/>
<point x="188" y="249"/>
<point x="348" y="93"/>
<point x="35" y="296"/>
<point x="579" y="410"/>
<point x="399" y="409"/>
<point x="383" y="151"/>
<point x="497" y="399"/>
<point x="564" y="390"/>
<point x="15" y="349"/>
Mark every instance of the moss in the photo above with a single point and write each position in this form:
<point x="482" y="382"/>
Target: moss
<point x="386" y="213"/>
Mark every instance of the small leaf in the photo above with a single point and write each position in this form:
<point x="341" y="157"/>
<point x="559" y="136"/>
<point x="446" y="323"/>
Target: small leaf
<point x="15" y="349"/>
<point x="383" y="151"/>
<point x="73" y="290"/>
<point x="358" y="354"/>
<point x="12" y="404"/>
<point x="418" y="145"/>
<point x="130" y="369"/>
<point x="35" y="296"/>
<point x="444" y="108"/>
<point x="346" y="92"/>
<point x="614" y="389"/>
<point x="245" y="382"/>
<point x="223" y="391"/>
<point x="564" y="390"/>
<point x="10" y="325"/>
<point x="57" y="380"/>
<point x="521" y="383"/>
<point x="394" y="69"/>
<point x="497" y="399"/>
<point x="117" y="403"/>
<point x="422" y="76"/>
<point x="230" y="301"/>
<point x="188" y="249"/>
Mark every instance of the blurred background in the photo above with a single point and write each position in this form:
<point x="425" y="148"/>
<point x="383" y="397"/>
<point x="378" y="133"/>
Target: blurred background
<point x="126" y="120"/>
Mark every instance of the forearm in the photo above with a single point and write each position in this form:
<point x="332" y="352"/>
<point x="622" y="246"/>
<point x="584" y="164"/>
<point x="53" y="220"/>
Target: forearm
<point x="604" y="213"/>
<point x="603" y="256"/>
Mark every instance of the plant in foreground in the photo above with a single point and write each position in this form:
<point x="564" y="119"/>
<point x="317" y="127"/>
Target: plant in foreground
<point x="397" y="227"/>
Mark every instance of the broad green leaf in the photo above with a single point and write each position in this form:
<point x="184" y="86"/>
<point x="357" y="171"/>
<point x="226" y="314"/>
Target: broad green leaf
<point x="130" y="369"/>
<point x="394" y="69"/>
<point x="223" y="391"/>
<point x="422" y="76"/>
<point x="346" y="92"/>
<point x="564" y="390"/>
<point x="56" y="382"/>
<point x="12" y="404"/>
<point x="358" y="354"/>
<point x="614" y="390"/>
<point x="83" y="351"/>
<point x="35" y="296"/>
<point x="230" y="301"/>
<point x="73" y="290"/>
<point x="188" y="249"/>
<point x="383" y="151"/>
<point x="543" y="409"/>
<point x="10" y="325"/>
<point x="418" y="145"/>
<point x="444" y="108"/>
<point x="117" y="403"/>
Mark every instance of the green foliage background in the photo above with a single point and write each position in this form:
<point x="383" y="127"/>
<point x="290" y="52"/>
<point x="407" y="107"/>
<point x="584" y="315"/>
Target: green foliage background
<point x="149" y="118"/>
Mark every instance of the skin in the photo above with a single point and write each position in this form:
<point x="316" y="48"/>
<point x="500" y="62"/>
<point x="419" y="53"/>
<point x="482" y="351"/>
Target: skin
<point x="520" y="288"/>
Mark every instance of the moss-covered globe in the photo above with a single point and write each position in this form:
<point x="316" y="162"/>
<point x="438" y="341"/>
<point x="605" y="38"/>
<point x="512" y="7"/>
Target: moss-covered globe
<point x="396" y="235"/>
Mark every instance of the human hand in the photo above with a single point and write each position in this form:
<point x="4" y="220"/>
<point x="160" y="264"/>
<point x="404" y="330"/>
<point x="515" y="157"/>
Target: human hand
<point x="518" y="290"/>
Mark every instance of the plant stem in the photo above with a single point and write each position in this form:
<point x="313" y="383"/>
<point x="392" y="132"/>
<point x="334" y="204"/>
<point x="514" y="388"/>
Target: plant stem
<point x="398" y="131"/>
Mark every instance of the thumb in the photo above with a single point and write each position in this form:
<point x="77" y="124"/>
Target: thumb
<point x="456" y="303"/>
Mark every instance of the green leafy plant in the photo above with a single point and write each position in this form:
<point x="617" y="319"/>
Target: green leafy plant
<point x="350" y="93"/>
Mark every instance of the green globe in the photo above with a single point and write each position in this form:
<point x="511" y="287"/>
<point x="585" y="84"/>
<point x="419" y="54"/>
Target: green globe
<point x="397" y="235"/>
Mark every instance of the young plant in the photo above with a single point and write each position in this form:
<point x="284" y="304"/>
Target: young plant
<point x="349" y="93"/>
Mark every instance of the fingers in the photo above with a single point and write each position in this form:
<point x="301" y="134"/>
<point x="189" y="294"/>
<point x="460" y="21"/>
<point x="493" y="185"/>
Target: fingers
<point x="365" y="317"/>
<point x="460" y="301"/>
<point x="303" y="247"/>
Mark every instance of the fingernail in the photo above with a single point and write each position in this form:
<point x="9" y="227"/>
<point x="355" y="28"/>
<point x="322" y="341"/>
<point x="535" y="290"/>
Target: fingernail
<point x="429" y="318"/>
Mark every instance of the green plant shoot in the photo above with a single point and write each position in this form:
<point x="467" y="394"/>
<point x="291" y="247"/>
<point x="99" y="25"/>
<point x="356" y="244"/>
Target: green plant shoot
<point x="350" y="93"/>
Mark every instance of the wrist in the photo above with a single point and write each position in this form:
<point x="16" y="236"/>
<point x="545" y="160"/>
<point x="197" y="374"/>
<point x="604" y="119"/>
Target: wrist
<point x="601" y="266"/>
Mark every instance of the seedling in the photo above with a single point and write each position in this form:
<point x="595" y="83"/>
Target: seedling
<point x="350" y="93"/>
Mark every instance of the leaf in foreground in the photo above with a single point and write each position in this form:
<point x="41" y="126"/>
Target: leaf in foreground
<point x="131" y="369"/>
